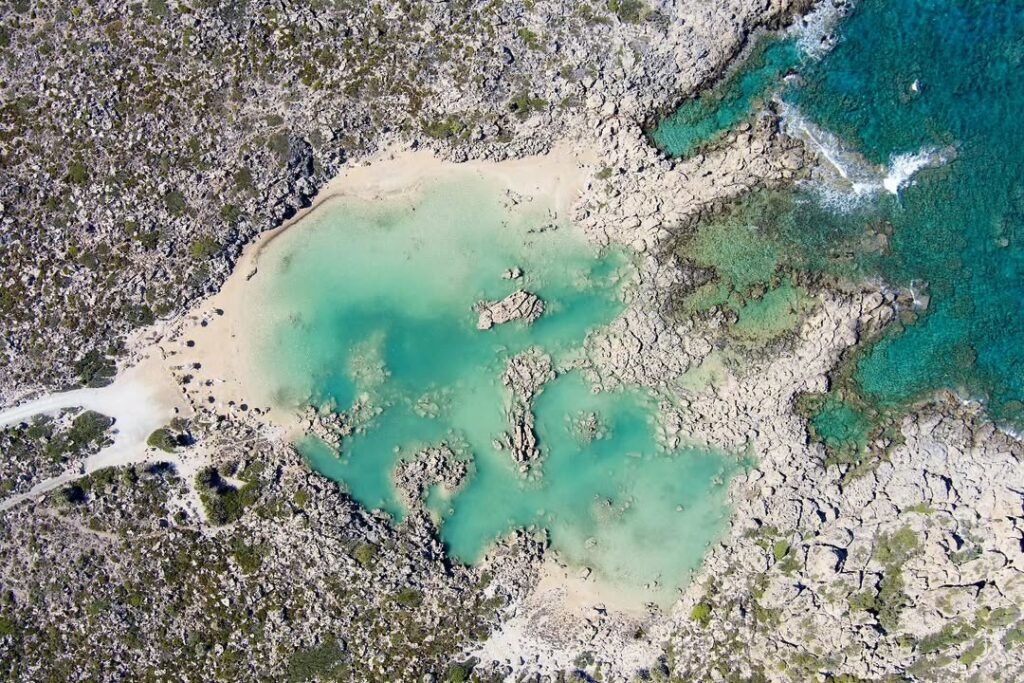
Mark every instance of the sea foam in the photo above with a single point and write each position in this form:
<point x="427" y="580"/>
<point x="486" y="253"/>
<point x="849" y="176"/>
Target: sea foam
<point x="902" y="168"/>
<point x="858" y="179"/>
<point x="815" y="32"/>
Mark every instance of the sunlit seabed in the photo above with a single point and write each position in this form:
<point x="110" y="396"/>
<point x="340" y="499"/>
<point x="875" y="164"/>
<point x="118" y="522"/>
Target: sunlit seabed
<point x="370" y="311"/>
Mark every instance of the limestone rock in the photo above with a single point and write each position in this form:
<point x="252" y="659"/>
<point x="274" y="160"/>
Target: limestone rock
<point x="519" y="305"/>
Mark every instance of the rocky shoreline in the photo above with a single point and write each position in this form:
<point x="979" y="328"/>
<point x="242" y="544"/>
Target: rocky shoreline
<point x="256" y="569"/>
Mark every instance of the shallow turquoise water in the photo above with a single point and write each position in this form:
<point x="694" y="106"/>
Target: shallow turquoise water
<point x="906" y="77"/>
<point x="698" y="121"/>
<point x="370" y="308"/>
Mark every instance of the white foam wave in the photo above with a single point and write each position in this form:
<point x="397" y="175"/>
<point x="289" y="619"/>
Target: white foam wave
<point x="815" y="32"/>
<point x="1012" y="432"/>
<point x="902" y="168"/>
<point x="849" y="178"/>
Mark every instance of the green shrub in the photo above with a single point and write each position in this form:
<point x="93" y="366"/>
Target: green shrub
<point x="316" y="663"/>
<point x="948" y="636"/>
<point x="87" y="428"/>
<point x="204" y="248"/>
<point x="230" y="213"/>
<point x="365" y="554"/>
<point x="94" y="369"/>
<point x="890" y="601"/>
<point x="162" y="439"/>
<point x="780" y="550"/>
<point x="972" y="653"/>
<point x="278" y="144"/>
<point x="1014" y="637"/>
<point x="447" y="128"/>
<point x="243" y="180"/>
<point x="522" y="105"/>
<point x="896" y="548"/>
<point x="140" y="316"/>
<point x="175" y="202"/>
<point x="531" y="39"/>
<point x="248" y="557"/>
<point x="408" y="597"/>
<point x="701" y="613"/>
<point x="629" y="11"/>
<point x="223" y="502"/>
<point x="77" y="173"/>
<point x="457" y="674"/>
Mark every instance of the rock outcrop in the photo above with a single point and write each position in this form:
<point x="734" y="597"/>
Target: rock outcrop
<point x="519" y="305"/>
<point x="429" y="467"/>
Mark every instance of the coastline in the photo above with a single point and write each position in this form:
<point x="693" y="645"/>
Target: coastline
<point x="225" y="346"/>
<point x="806" y="563"/>
<point x="207" y="360"/>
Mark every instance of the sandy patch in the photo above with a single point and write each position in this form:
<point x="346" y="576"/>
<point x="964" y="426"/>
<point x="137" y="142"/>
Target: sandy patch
<point x="142" y="399"/>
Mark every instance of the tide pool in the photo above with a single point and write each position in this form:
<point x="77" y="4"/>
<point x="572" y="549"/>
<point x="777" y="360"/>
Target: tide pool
<point x="907" y="81"/>
<point x="702" y="119"/>
<point x="369" y="307"/>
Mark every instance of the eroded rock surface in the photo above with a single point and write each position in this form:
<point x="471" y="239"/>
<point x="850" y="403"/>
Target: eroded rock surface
<point x="429" y="467"/>
<point x="519" y="305"/>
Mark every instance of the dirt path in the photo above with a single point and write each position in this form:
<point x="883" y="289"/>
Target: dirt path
<point x="141" y="400"/>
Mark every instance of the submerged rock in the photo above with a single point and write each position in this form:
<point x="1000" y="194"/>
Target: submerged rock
<point x="327" y="426"/>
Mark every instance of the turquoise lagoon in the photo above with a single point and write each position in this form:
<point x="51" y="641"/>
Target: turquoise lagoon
<point x="913" y="78"/>
<point x="370" y="310"/>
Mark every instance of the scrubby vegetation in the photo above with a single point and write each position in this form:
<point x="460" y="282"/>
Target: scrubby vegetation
<point x="44" y="446"/>
<point x="251" y="602"/>
<point x="143" y="143"/>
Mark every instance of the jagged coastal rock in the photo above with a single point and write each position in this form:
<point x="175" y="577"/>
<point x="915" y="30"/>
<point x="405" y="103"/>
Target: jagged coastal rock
<point x="525" y="375"/>
<point x="326" y="425"/>
<point x="519" y="305"/>
<point x="429" y="467"/>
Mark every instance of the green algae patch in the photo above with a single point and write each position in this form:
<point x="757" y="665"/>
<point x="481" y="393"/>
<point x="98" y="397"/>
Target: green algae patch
<point x="776" y="313"/>
<point x="840" y="427"/>
<point x="750" y="268"/>
<point x="738" y="250"/>
<point x="939" y="86"/>
<point x="369" y="312"/>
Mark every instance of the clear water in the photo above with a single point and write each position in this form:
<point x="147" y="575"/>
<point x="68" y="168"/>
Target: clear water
<point x="840" y="427"/>
<point x="906" y="77"/>
<point x="960" y="228"/>
<point x="369" y="305"/>
<point x="699" y="121"/>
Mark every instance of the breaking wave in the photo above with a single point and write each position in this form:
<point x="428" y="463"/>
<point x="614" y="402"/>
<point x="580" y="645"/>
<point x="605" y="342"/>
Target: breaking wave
<point x="846" y="178"/>
<point x="815" y="32"/>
